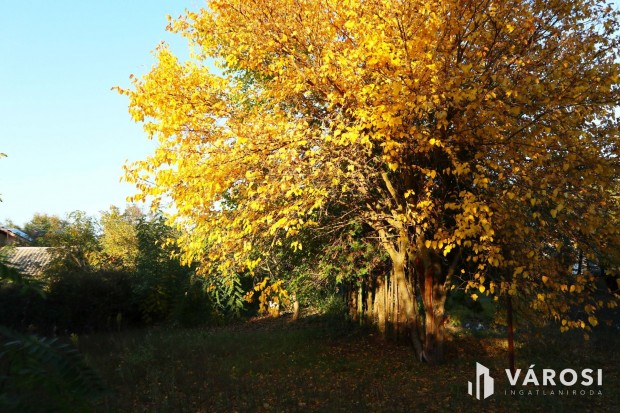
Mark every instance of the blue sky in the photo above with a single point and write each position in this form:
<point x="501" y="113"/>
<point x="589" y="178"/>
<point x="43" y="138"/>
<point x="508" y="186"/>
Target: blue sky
<point x="66" y="134"/>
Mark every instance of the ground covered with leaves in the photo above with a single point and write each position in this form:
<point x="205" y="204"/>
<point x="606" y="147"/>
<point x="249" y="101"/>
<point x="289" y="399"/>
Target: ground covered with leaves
<point x="276" y="365"/>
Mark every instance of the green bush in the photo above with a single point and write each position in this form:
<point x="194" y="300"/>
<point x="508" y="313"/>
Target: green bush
<point x="79" y="302"/>
<point x="40" y="374"/>
<point x="333" y="308"/>
<point x="194" y="307"/>
<point x="85" y="302"/>
<point x="22" y="309"/>
<point x="463" y="310"/>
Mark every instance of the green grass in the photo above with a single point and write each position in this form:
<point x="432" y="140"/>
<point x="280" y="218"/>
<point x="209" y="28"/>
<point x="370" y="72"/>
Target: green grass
<point x="316" y="366"/>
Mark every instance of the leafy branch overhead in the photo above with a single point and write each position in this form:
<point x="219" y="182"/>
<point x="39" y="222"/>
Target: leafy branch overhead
<point x="476" y="142"/>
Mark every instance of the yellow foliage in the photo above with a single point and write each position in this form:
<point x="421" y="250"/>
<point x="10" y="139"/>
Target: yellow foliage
<point x="270" y="296"/>
<point x="462" y="127"/>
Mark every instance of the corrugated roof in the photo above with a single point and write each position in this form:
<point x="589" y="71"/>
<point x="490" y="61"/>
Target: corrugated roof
<point x="29" y="261"/>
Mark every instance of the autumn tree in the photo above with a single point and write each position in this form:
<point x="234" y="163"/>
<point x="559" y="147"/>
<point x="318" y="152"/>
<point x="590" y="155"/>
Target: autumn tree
<point x="45" y="230"/>
<point x="119" y="238"/>
<point x="475" y="139"/>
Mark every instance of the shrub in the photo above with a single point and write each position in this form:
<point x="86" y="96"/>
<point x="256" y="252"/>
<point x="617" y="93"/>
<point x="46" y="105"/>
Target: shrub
<point x="85" y="301"/>
<point x="21" y="309"/>
<point x="40" y="374"/>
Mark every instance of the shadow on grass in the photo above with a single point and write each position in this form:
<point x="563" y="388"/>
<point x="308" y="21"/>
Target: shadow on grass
<point x="318" y="365"/>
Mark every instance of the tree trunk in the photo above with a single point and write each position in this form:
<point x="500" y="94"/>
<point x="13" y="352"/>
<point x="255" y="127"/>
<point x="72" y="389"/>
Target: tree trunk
<point x="392" y="306"/>
<point x="379" y="306"/>
<point x="295" y="307"/>
<point x="369" y="317"/>
<point x="417" y="277"/>
<point x="432" y="280"/>
<point x="511" y="343"/>
<point x="352" y="300"/>
<point x="434" y="317"/>
<point x="360" y="303"/>
<point x="404" y="300"/>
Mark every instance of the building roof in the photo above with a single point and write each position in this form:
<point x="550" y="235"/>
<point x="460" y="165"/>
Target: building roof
<point x="21" y="234"/>
<point x="30" y="261"/>
<point x="16" y="233"/>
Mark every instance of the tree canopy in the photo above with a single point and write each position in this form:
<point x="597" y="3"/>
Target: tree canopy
<point x="476" y="141"/>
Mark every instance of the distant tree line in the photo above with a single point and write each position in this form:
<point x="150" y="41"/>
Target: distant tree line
<point x="109" y="273"/>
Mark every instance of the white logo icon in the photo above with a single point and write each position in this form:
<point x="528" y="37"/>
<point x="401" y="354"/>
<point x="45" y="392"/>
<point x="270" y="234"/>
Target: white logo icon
<point x="482" y="371"/>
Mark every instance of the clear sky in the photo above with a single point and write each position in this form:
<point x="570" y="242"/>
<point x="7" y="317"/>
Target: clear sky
<point x="66" y="134"/>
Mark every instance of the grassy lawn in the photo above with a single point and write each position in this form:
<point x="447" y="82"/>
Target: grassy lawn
<point x="274" y="365"/>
